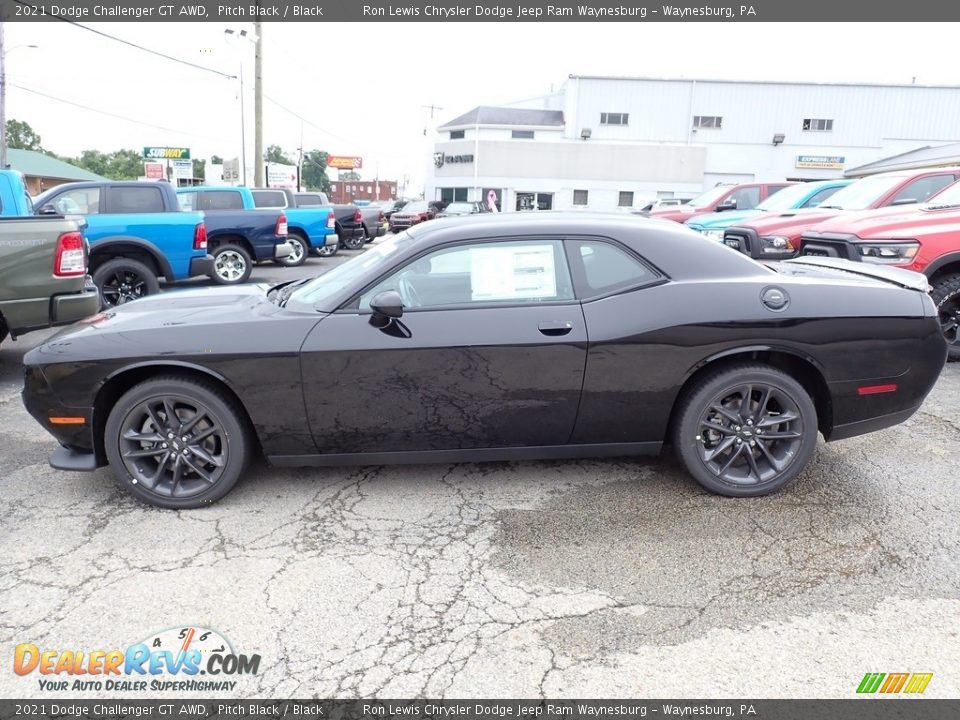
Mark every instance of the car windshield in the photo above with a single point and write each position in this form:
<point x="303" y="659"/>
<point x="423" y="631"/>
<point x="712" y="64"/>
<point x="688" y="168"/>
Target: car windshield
<point x="787" y="198"/>
<point x="319" y="291"/>
<point x="458" y="207"/>
<point x="709" y="197"/>
<point x="862" y="194"/>
<point x="949" y="196"/>
<point x="415" y="207"/>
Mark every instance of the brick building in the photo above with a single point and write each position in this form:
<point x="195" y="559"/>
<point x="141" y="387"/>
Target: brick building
<point x="347" y="191"/>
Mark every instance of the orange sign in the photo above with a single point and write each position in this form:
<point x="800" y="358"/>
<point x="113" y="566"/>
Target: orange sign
<point x="344" y="162"/>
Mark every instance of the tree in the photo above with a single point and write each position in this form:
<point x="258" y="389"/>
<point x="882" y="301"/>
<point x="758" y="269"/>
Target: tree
<point x="216" y="160"/>
<point x="125" y="165"/>
<point x="21" y="136"/>
<point x="350" y="175"/>
<point x="314" y="173"/>
<point x="275" y="154"/>
<point x="200" y="169"/>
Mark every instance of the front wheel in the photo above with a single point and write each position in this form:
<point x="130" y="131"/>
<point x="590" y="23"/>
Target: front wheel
<point x="122" y="280"/>
<point x="299" y="254"/>
<point x="176" y="442"/>
<point x="746" y="430"/>
<point x="231" y="265"/>
<point x="946" y="296"/>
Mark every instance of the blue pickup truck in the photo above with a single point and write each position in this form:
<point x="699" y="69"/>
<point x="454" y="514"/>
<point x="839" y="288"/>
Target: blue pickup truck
<point x="307" y="228"/>
<point x="237" y="238"/>
<point x="137" y="234"/>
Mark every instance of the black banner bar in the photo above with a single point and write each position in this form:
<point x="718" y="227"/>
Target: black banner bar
<point x="123" y="709"/>
<point x="479" y="11"/>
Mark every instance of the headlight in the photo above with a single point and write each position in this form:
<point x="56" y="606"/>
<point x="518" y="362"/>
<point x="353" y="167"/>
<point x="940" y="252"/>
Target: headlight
<point x="776" y="244"/>
<point x="889" y="253"/>
<point x="714" y="235"/>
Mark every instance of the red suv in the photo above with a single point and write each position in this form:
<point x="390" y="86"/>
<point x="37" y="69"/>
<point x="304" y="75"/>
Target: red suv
<point x="778" y="237"/>
<point x="745" y="196"/>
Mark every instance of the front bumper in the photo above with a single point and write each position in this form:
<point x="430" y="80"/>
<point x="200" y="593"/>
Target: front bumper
<point x="202" y="266"/>
<point x="747" y="241"/>
<point x="47" y="409"/>
<point x="282" y="250"/>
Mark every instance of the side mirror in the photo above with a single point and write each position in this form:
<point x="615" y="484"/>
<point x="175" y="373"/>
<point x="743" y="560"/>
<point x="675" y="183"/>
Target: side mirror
<point x="904" y="201"/>
<point x="730" y="204"/>
<point x="47" y="209"/>
<point x="385" y="306"/>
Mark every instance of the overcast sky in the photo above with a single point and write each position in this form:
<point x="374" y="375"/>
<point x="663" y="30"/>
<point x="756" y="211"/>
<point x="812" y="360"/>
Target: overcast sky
<point x="363" y="86"/>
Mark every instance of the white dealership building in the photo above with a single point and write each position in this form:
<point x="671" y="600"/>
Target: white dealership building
<point x="608" y="143"/>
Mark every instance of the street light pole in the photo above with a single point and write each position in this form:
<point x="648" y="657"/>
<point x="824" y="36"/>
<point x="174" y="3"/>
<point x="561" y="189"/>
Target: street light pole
<point x="258" y="104"/>
<point x="243" y="129"/>
<point x="3" y="95"/>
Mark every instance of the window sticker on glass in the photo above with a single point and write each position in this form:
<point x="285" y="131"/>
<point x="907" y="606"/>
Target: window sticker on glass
<point x="513" y="273"/>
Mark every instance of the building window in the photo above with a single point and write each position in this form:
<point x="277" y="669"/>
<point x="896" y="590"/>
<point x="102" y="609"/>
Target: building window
<point x="457" y="134"/>
<point x="460" y="195"/>
<point x="614" y="118"/>
<point x="522" y="134"/>
<point x="626" y="199"/>
<point x="580" y="197"/>
<point x="707" y="121"/>
<point x="449" y="195"/>
<point x="818" y="124"/>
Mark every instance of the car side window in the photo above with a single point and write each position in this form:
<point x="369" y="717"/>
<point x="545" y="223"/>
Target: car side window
<point x="747" y="198"/>
<point x="605" y="268"/>
<point x="221" y="200"/>
<point x="83" y="201"/>
<point x="307" y="201"/>
<point x="919" y="190"/>
<point x="508" y="273"/>
<point x="144" y="199"/>
<point x="820" y="196"/>
<point x="187" y="201"/>
<point x="269" y="199"/>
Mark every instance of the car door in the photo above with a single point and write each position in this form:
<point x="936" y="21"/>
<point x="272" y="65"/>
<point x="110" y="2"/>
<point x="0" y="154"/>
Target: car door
<point x="489" y="353"/>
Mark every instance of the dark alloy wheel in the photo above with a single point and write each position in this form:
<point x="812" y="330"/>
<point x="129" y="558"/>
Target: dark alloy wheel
<point x="746" y="431"/>
<point x="231" y="265"/>
<point x="176" y="442"/>
<point x="946" y="296"/>
<point x="121" y="281"/>
<point x="300" y="251"/>
<point x="353" y="243"/>
<point x="328" y="250"/>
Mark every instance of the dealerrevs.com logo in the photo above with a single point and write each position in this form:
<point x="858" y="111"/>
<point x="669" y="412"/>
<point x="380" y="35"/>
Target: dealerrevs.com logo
<point x="184" y="659"/>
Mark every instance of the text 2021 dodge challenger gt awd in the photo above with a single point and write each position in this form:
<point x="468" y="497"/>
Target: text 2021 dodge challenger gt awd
<point x="496" y="337"/>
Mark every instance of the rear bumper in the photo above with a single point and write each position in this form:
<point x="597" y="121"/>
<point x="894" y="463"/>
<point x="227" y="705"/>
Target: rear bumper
<point x="332" y="238"/>
<point x="349" y="233"/>
<point x="382" y="230"/>
<point x="201" y="266"/>
<point x="281" y="250"/>
<point x="36" y="313"/>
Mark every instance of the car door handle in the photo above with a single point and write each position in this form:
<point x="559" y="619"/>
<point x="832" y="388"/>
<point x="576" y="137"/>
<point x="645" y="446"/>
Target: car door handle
<point x="556" y="327"/>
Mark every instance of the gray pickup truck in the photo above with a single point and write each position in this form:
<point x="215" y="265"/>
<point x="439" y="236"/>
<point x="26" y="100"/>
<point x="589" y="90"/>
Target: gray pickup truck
<point x="43" y="275"/>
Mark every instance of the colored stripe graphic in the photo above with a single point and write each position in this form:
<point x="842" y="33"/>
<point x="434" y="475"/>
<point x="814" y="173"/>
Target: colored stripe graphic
<point x="895" y="682"/>
<point x="870" y="682"/>
<point x="918" y="682"/>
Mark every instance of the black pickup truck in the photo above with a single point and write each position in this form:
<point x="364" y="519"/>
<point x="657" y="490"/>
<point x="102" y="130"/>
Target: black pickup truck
<point x="237" y="238"/>
<point x="349" y="219"/>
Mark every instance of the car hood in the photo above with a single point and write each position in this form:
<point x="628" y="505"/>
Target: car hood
<point x="790" y="220"/>
<point x="678" y="214"/>
<point x="720" y="220"/>
<point x="895" y="222"/>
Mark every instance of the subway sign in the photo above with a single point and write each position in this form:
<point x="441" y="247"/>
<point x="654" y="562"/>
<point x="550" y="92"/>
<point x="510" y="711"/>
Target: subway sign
<point x="166" y="153"/>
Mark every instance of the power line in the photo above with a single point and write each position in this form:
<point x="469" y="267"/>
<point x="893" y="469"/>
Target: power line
<point x="134" y="45"/>
<point x="109" y="114"/>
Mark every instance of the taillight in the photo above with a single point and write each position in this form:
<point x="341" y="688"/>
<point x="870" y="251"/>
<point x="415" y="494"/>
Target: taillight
<point x="200" y="237"/>
<point x="70" y="259"/>
<point x="358" y="216"/>
<point x="331" y="221"/>
<point x="281" y="228"/>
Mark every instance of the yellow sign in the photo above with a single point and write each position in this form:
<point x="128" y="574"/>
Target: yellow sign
<point x="821" y="162"/>
<point x="343" y="162"/>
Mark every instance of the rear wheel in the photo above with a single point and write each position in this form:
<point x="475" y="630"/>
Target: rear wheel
<point x="176" y="442"/>
<point x="299" y="254"/>
<point x="122" y="280"/>
<point x="353" y="243"/>
<point x="946" y="296"/>
<point x="328" y="250"/>
<point x="231" y="265"/>
<point x="746" y="430"/>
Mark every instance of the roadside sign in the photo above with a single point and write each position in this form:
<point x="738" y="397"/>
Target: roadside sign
<point x="282" y="176"/>
<point x="231" y="169"/>
<point x="344" y="162"/>
<point x="153" y="171"/>
<point x="166" y="153"/>
<point x="821" y="162"/>
<point x="183" y="169"/>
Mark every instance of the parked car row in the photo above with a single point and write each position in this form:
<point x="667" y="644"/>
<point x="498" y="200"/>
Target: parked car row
<point x="908" y="219"/>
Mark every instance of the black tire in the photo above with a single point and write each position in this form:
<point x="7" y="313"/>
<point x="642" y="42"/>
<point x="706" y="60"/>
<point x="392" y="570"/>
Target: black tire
<point x="328" y="250"/>
<point x="726" y="444"/>
<point x="122" y="280"/>
<point x="231" y="264"/>
<point x="301" y="248"/>
<point x="368" y="237"/>
<point x="352" y="243"/>
<point x="149" y="457"/>
<point x="946" y="296"/>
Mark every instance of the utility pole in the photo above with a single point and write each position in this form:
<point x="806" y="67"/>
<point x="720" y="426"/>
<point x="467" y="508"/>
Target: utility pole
<point x="3" y="101"/>
<point x="258" y="104"/>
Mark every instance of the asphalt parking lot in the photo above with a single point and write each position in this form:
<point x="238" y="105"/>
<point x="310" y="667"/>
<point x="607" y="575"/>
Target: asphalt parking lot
<point x="563" y="579"/>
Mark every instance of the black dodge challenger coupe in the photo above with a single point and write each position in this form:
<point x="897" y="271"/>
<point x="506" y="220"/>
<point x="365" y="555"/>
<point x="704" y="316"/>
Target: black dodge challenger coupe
<point x="495" y="337"/>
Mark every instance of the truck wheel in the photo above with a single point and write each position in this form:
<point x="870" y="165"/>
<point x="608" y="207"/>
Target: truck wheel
<point x="121" y="280"/>
<point x="354" y="243"/>
<point x="328" y="250"/>
<point x="299" y="255"/>
<point x="946" y="296"/>
<point x="231" y="265"/>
